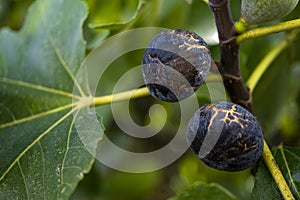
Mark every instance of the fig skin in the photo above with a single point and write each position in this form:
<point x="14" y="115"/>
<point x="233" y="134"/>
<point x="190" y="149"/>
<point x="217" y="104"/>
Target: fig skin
<point x="225" y="136"/>
<point x="260" y="11"/>
<point x="175" y="64"/>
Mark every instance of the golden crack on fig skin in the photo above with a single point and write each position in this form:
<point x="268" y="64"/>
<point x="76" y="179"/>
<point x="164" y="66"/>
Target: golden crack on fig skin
<point x="232" y="112"/>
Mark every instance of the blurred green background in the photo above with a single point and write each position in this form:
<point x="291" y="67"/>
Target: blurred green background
<point x="276" y="98"/>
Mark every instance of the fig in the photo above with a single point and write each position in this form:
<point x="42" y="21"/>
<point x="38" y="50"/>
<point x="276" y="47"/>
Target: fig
<point x="175" y="64"/>
<point x="260" y="11"/>
<point x="225" y="136"/>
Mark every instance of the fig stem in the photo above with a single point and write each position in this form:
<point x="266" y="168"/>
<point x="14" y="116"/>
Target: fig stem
<point x="130" y="94"/>
<point x="264" y="64"/>
<point x="252" y="83"/>
<point x="241" y="26"/>
<point x="269" y="58"/>
<point x="135" y="93"/>
<point x="267" y="30"/>
<point x="276" y="173"/>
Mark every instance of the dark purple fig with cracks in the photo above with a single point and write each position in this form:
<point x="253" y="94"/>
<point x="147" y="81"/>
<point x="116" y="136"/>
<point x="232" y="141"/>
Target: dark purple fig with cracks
<point x="225" y="136"/>
<point x="175" y="64"/>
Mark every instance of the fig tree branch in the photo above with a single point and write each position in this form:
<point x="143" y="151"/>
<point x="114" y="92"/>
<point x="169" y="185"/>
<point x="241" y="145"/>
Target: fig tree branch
<point x="229" y="64"/>
<point x="233" y="82"/>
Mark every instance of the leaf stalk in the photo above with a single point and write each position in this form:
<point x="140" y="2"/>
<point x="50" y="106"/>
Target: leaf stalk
<point x="131" y="94"/>
<point x="252" y="83"/>
<point x="276" y="173"/>
<point x="267" y="30"/>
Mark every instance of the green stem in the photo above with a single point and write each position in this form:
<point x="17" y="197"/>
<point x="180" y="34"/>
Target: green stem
<point x="259" y="32"/>
<point x="131" y="94"/>
<point x="241" y="25"/>
<point x="264" y="64"/>
<point x="269" y="58"/>
<point x="276" y="173"/>
<point x="252" y="83"/>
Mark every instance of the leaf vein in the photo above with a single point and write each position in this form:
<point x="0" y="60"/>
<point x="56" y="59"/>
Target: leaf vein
<point x="37" y="87"/>
<point x="23" y="177"/>
<point x="58" y="53"/>
<point x="43" y="114"/>
<point x="288" y="169"/>
<point x="73" y="167"/>
<point x="293" y="154"/>
<point x="43" y="173"/>
<point x="76" y="147"/>
<point x="67" y="146"/>
<point x="35" y="141"/>
<point x="65" y="65"/>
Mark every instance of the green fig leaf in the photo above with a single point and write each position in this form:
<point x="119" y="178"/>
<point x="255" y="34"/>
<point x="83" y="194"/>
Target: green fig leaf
<point x="142" y="7"/>
<point x="275" y="80"/>
<point x="42" y="155"/>
<point x="288" y="159"/>
<point x="199" y="190"/>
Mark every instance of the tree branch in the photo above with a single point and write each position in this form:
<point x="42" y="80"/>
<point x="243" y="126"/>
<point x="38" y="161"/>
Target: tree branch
<point x="233" y="82"/>
<point x="229" y="65"/>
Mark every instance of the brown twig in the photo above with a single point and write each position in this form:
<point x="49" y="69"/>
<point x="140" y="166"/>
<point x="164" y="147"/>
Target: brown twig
<point x="237" y="90"/>
<point x="229" y="66"/>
